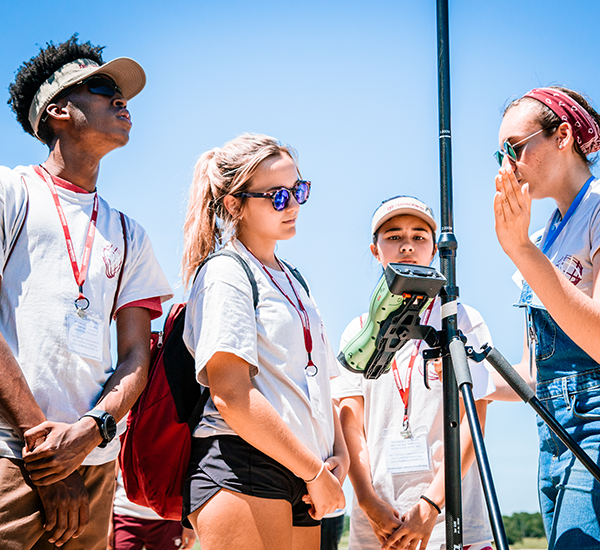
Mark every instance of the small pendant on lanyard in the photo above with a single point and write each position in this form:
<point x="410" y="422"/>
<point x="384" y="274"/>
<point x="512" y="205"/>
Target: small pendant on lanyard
<point x="81" y="303"/>
<point x="406" y="432"/>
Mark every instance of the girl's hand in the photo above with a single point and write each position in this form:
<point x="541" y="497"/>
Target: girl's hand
<point x="325" y="494"/>
<point x="383" y="518"/>
<point x="512" y="212"/>
<point x="416" y="527"/>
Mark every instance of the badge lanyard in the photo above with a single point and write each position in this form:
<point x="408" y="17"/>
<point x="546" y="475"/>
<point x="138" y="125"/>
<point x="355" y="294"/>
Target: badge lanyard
<point x="310" y="369"/>
<point x="404" y="392"/>
<point x="81" y="302"/>
<point x="554" y="230"/>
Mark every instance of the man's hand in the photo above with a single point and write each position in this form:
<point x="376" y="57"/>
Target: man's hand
<point x="54" y="450"/>
<point x="66" y="506"/>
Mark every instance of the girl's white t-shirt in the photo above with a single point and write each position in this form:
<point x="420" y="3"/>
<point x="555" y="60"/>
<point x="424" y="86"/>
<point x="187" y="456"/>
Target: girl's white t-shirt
<point x="221" y="317"/>
<point x="384" y="413"/>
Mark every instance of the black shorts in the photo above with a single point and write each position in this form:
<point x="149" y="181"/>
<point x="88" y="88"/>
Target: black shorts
<point x="228" y="462"/>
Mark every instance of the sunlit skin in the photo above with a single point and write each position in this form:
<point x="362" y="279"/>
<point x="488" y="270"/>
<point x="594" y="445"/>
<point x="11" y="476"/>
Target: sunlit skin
<point x="404" y="239"/>
<point x="261" y="226"/>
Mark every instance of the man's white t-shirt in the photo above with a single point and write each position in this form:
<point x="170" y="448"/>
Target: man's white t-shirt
<point x="38" y="292"/>
<point x="384" y="414"/>
<point x="220" y="317"/>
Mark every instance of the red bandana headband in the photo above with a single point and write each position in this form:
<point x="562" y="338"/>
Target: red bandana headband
<point x="585" y="129"/>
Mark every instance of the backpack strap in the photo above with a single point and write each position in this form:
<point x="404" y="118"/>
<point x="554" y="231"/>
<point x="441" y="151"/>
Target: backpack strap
<point x="124" y="228"/>
<point x="294" y="271"/>
<point x="242" y="262"/>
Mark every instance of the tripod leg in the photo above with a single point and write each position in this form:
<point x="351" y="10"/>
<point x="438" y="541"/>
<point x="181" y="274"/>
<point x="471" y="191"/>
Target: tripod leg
<point x="523" y="390"/>
<point x="463" y="375"/>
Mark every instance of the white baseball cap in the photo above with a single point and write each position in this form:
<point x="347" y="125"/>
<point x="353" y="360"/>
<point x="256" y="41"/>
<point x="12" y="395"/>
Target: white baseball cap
<point x="397" y="206"/>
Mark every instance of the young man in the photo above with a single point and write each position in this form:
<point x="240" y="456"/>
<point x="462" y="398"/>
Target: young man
<point x="393" y="426"/>
<point x="69" y="264"/>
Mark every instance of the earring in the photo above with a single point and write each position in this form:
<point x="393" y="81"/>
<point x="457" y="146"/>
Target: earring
<point x="560" y="146"/>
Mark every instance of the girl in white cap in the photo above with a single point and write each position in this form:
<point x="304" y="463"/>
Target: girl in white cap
<point x="393" y="426"/>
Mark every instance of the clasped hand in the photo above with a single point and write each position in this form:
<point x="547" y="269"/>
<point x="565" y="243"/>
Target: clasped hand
<point x="54" y="450"/>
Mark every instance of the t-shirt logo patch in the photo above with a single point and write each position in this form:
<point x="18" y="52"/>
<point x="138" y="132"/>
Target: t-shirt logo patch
<point x="571" y="267"/>
<point x="113" y="259"/>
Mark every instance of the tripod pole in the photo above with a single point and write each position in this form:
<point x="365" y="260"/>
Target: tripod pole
<point x="465" y="383"/>
<point x="447" y="249"/>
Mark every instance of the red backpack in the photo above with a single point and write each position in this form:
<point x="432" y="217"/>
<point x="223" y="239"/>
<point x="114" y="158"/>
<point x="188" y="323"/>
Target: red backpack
<point x="155" y="449"/>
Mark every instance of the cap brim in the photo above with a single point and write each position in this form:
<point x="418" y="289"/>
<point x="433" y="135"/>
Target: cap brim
<point x="127" y="73"/>
<point x="406" y="212"/>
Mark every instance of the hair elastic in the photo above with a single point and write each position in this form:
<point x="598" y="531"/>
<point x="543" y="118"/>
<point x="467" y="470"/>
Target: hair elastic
<point x="429" y="501"/>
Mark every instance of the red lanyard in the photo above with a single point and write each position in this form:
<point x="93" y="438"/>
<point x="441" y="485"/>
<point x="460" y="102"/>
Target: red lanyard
<point x="404" y="392"/>
<point x="311" y="369"/>
<point x="79" y="275"/>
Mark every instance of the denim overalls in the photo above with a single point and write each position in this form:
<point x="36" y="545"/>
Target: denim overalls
<point x="568" y="385"/>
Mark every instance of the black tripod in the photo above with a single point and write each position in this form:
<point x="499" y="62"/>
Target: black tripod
<point x="451" y="348"/>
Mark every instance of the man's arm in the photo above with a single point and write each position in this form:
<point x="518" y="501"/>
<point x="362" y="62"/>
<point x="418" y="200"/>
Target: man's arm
<point x="17" y="404"/>
<point x="65" y="446"/>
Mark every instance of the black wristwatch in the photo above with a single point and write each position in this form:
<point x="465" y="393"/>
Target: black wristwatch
<point x="106" y="424"/>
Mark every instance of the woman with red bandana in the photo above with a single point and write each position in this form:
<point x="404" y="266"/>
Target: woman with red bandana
<point x="546" y="137"/>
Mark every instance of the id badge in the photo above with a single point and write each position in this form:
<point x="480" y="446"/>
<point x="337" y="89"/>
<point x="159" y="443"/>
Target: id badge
<point x="85" y="336"/>
<point x="315" y="398"/>
<point x="406" y="455"/>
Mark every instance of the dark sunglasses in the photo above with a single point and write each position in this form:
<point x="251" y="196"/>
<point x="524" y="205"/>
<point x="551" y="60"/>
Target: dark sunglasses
<point x="281" y="197"/>
<point x="510" y="150"/>
<point x="97" y="84"/>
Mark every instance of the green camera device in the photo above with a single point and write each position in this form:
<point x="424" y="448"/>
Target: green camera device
<point x="403" y="293"/>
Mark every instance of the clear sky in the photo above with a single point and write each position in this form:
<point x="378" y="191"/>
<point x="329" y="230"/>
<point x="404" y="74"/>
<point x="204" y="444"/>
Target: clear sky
<point x="352" y="86"/>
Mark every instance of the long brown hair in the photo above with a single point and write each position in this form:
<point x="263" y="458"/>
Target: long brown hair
<point x="220" y="172"/>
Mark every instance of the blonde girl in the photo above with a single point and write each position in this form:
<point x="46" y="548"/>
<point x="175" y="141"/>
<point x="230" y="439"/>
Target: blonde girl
<point x="268" y="457"/>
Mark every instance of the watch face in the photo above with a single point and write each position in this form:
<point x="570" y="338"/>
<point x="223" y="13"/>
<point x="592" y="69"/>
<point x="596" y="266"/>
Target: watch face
<point x="111" y="427"/>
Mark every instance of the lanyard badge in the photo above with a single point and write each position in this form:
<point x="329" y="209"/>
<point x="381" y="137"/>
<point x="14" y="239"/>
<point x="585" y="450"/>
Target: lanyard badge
<point x="404" y="391"/>
<point x="81" y="302"/>
<point x="311" y="369"/>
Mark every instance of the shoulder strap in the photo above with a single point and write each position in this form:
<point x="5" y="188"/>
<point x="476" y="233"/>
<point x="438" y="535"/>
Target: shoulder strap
<point x="22" y="222"/>
<point x="242" y="262"/>
<point x="124" y="227"/>
<point x="294" y="271"/>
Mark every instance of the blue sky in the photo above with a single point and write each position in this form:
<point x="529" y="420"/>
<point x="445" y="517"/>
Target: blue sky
<point x="352" y="86"/>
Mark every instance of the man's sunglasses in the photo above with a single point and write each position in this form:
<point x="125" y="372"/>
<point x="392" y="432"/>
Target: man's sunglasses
<point x="281" y="197"/>
<point x="510" y="150"/>
<point x="97" y="84"/>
